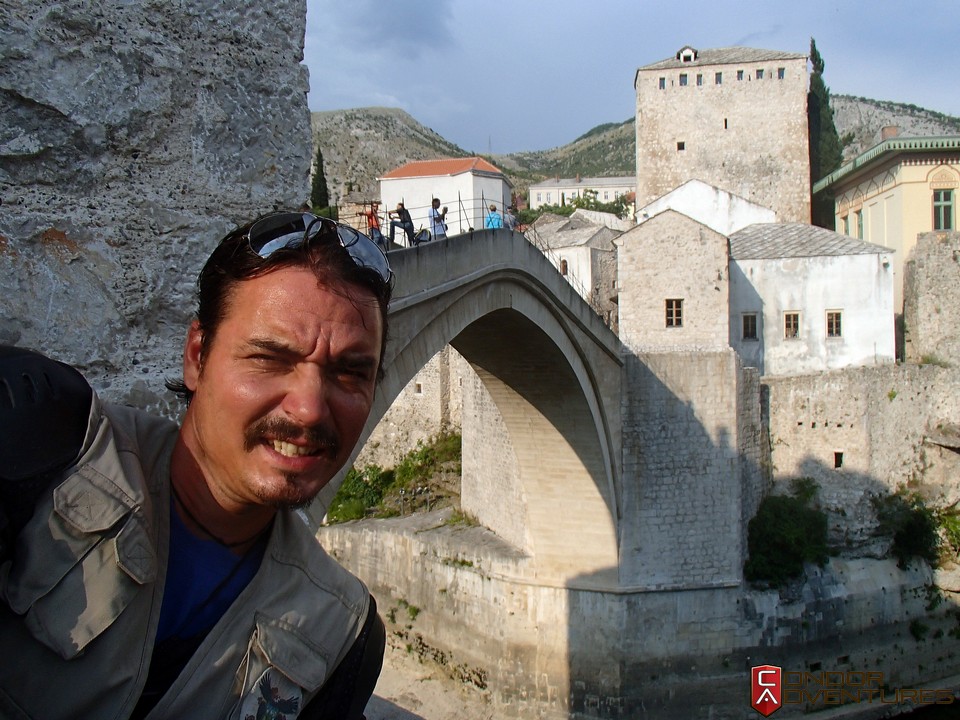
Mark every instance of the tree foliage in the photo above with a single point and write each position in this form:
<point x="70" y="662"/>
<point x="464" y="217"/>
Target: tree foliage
<point x="319" y="195"/>
<point x="785" y="533"/>
<point x="826" y="150"/>
<point x="913" y="526"/>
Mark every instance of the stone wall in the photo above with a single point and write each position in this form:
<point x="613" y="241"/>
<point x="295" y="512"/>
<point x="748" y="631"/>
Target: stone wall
<point x="683" y="484"/>
<point x="135" y="134"/>
<point x="931" y="308"/>
<point x="431" y="403"/>
<point x="654" y="264"/>
<point x="860" y="432"/>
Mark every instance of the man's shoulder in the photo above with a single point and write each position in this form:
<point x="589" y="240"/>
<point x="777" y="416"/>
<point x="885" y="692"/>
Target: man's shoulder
<point x="298" y="546"/>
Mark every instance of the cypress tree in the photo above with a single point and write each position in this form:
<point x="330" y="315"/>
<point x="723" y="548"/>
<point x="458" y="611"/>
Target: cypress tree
<point x="319" y="197"/>
<point x="826" y="152"/>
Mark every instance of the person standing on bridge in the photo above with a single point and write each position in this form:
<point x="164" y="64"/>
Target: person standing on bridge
<point x="402" y="221"/>
<point x="438" y="220"/>
<point x="494" y="220"/>
<point x="372" y="217"/>
<point x="509" y="219"/>
<point x="147" y="568"/>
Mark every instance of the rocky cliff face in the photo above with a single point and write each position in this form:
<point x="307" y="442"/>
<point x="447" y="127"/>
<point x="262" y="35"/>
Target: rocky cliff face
<point x="135" y="135"/>
<point x="861" y="121"/>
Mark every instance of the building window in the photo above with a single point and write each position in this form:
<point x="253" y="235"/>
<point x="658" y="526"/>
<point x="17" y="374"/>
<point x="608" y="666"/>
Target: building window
<point x="759" y="74"/>
<point x="750" y="326"/>
<point x="725" y="125"/>
<point x="838" y="460"/>
<point x="663" y="83"/>
<point x="418" y="389"/>
<point x="563" y="267"/>
<point x="539" y="197"/>
<point x="681" y="145"/>
<point x="699" y="79"/>
<point x="606" y="194"/>
<point x="859" y="216"/>
<point x="781" y="73"/>
<point x="675" y="313"/>
<point x="683" y="79"/>
<point x="739" y="74"/>
<point x="549" y="197"/>
<point x="943" y="209"/>
<point x="846" y="224"/>
<point x="791" y="325"/>
<point x="718" y="79"/>
<point x="833" y="324"/>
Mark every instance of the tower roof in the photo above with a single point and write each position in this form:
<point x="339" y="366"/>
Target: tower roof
<point x="691" y="57"/>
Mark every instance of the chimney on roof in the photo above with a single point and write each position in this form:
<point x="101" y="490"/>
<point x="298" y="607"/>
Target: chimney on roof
<point x="888" y="132"/>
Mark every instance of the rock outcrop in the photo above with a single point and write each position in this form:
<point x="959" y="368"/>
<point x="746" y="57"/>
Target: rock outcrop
<point x="135" y="135"/>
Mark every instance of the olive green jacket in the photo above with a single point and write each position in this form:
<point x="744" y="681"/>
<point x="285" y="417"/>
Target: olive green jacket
<point x="80" y="599"/>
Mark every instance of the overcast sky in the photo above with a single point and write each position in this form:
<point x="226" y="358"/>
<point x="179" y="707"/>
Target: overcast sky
<point x="503" y="76"/>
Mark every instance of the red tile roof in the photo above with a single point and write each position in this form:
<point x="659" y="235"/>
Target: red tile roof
<point x="448" y="166"/>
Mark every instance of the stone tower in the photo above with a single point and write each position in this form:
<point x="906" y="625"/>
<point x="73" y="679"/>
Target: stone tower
<point x="735" y="118"/>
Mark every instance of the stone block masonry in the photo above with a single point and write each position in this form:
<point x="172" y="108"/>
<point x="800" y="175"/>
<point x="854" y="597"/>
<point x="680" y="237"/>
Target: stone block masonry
<point x="858" y="433"/>
<point x="682" y="480"/>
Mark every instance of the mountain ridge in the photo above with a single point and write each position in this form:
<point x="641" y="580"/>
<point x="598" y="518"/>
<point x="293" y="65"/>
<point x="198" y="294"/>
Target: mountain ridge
<point x="361" y="144"/>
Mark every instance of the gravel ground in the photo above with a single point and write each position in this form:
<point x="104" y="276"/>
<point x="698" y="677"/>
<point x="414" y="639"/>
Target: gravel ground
<point x="409" y="689"/>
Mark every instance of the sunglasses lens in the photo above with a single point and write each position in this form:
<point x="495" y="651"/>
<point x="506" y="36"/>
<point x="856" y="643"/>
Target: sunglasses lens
<point x="364" y="251"/>
<point x="274" y="232"/>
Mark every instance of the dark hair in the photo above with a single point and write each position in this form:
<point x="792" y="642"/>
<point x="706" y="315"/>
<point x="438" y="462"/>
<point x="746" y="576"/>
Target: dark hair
<point x="233" y="262"/>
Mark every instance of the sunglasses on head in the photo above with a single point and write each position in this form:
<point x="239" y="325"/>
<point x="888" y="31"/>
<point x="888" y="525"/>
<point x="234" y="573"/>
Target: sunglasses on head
<point x="286" y="230"/>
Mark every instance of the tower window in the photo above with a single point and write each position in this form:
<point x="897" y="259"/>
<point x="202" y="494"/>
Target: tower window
<point x="674" y="312"/>
<point x="681" y="145"/>
<point x="750" y="326"/>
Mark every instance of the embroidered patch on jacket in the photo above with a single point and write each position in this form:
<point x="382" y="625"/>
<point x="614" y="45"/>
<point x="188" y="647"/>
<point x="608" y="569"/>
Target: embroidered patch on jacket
<point x="274" y="697"/>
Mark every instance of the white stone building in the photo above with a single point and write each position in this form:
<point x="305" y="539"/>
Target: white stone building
<point x="562" y="191"/>
<point x="465" y="186"/>
<point x="717" y="209"/>
<point x="581" y="247"/>
<point x="805" y="300"/>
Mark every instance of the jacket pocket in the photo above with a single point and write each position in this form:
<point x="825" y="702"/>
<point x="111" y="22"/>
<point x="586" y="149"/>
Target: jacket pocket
<point x="79" y="563"/>
<point x="282" y="669"/>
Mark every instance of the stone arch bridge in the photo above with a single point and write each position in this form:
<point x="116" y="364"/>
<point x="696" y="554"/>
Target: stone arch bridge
<point x="553" y="370"/>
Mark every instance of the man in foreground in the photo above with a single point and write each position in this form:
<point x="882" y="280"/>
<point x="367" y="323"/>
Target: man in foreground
<point x="154" y="571"/>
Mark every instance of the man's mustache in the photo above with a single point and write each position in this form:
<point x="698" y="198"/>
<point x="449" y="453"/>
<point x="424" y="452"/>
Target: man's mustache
<point x="320" y="437"/>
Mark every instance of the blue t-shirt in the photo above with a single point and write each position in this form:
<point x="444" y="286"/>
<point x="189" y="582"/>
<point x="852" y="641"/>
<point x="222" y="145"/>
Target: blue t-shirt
<point x="193" y="600"/>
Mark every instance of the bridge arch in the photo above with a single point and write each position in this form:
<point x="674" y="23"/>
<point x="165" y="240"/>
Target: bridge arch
<point x="551" y="368"/>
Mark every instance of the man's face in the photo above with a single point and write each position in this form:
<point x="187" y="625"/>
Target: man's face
<point x="283" y="390"/>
